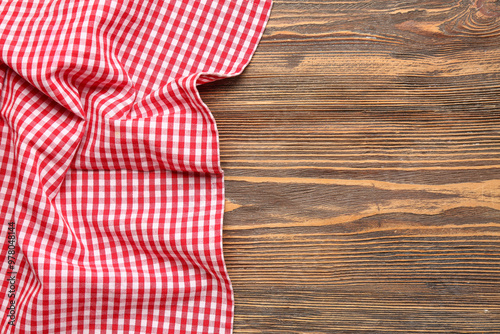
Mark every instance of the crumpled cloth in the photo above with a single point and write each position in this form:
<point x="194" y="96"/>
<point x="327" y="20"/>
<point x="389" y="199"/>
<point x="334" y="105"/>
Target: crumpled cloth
<point x="111" y="188"/>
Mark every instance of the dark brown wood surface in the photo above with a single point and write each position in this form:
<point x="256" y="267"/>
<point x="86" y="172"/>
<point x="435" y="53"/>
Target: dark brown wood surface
<point x="362" y="155"/>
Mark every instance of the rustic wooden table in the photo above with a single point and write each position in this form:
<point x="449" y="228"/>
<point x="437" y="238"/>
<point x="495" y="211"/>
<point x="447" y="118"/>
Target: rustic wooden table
<point x="362" y="155"/>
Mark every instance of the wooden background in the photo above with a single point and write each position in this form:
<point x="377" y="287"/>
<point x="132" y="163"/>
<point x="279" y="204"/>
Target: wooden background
<point x="362" y="155"/>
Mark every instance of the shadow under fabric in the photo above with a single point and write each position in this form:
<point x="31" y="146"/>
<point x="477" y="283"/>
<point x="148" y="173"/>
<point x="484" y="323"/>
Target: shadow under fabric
<point x="109" y="163"/>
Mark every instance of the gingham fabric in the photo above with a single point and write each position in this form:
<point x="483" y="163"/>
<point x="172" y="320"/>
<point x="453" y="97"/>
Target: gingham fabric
<point x="111" y="189"/>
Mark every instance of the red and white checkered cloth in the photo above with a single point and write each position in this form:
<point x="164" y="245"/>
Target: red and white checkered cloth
<point x="111" y="189"/>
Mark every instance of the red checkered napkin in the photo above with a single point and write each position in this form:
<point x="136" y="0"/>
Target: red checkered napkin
<point x="111" y="189"/>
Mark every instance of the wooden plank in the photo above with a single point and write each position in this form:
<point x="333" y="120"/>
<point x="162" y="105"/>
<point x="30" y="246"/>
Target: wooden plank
<point x="362" y="156"/>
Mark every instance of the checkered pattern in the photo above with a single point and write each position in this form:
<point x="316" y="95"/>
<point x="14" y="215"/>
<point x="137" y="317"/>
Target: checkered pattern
<point x="109" y="162"/>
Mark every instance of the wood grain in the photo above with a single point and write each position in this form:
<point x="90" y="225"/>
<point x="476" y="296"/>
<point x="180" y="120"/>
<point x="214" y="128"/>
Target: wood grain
<point x="362" y="156"/>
